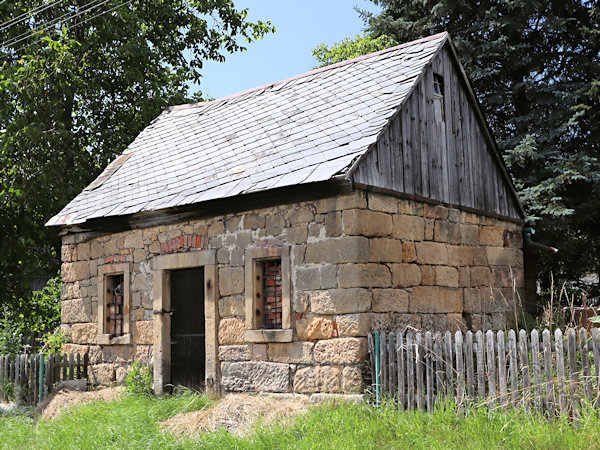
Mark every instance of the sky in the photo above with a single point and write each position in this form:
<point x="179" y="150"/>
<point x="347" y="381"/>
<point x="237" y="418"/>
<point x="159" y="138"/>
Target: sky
<point x="300" y="26"/>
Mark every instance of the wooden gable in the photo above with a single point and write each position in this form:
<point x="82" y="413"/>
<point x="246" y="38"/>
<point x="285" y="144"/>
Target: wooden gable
<point x="444" y="153"/>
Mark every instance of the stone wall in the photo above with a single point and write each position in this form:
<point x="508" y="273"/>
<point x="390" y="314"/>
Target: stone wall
<point x="359" y="262"/>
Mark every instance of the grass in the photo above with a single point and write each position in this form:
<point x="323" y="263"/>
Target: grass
<point x="133" y="422"/>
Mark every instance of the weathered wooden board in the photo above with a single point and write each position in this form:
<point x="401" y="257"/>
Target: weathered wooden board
<point x="451" y="160"/>
<point x="424" y="370"/>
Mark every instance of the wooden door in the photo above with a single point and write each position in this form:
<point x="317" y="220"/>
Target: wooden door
<point x="187" y="328"/>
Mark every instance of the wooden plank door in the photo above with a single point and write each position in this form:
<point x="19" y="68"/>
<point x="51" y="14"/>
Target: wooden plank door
<point x="187" y="328"/>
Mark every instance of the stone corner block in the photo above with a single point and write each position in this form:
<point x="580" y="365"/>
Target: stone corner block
<point x="340" y="250"/>
<point x="143" y="332"/>
<point x="231" y="331"/>
<point x="314" y="328"/>
<point x="366" y="223"/>
<point x="235" y="352"/>
<point x="259" y="376"/>
<point x="390" y="300"/>
<point x="351" y="350"/>
<point x="263" y="336"/>
<point x="340" y="301"/>
<point x="84" y="333"/>
<point x="291" y="352"/>
<point x="318" y="379"/>
<point x="231" y="280"/>
<point x="435" y="299"/>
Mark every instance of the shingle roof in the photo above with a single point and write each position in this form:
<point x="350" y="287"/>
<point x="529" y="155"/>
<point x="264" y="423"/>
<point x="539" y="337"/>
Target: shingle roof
<point x="305" y="129"/>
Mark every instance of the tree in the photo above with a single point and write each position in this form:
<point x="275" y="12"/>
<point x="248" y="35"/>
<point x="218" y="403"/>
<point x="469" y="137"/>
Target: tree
<point x="349" y="48"/>
<point x="78" y="81"/>
<point x="535" y="68"/>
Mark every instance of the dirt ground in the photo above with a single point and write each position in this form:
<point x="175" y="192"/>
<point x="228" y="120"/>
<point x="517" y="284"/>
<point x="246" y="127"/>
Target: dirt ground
<point x="237" y="413"/>
<point x="57" y="402"/>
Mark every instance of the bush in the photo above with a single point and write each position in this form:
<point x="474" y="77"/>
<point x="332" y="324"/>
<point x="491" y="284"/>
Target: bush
<point x="41" y="311"/>
<point x="31" y="318"/>
<point x="11" y="334"/>
<point x="139" y="379"/>
<point x="52" y="343"/>
<point x="8" y="389"/>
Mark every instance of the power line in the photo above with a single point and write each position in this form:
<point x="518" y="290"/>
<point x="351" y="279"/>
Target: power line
<point x="25" y="16"/>
<point x="75" y="25"/>
<point x="64" y="18"/>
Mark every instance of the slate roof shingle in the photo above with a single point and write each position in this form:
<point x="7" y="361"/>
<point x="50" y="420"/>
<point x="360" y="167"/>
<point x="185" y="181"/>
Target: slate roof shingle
<point x="305" y="129"/>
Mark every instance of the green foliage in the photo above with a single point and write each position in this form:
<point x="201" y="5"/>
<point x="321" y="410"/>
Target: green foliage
<point x="41" y="311"/>
<point x="32" y="317"/>
<point x="139" y="379"/>
<point x="134" y="421"/>
<point x="534" y="67"/>
<point x="11" y="334"/>
<point x="52" y="343"/>
<point x="73" y="97"/>
<point x="349" y="48"/>
<point x="8" y="388"/>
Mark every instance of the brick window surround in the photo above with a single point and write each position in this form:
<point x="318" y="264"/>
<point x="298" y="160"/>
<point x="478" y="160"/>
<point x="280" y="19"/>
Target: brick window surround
<point x="110" y="331"/>
<point x="267" y="295"/>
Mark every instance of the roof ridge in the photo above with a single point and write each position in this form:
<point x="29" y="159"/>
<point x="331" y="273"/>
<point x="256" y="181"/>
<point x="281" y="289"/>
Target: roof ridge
<point x="307" y="74"/>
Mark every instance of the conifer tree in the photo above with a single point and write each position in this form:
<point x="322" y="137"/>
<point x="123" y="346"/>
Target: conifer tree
<point x="535" y="68"/>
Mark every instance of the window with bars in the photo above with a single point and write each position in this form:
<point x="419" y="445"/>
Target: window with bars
<point x="115" y="302"/>
<point x="268" y="305"/>
<point x="271" y="293"/>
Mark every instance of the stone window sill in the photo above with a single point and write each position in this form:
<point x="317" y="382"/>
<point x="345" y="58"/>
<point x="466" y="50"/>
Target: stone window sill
<point x="105" y="339"/>
<point x="262" y="336"/>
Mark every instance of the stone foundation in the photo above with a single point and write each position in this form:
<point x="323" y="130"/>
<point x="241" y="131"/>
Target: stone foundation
<point x="359" y="262"/>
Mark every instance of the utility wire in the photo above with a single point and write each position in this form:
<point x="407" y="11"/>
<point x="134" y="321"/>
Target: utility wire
<point x="64" y="18"/>
<point x="74" y="25"/>
<point x="25" y="16"/>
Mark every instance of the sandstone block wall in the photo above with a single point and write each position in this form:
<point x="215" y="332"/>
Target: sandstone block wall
<point x="358" y="263"/>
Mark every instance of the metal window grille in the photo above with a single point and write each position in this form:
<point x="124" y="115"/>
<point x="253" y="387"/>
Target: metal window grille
<point x="272" y="306"/>
<point x="114" y="305"/>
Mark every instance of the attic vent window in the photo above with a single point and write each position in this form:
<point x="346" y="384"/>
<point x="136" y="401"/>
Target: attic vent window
<point x="438" y="97"/>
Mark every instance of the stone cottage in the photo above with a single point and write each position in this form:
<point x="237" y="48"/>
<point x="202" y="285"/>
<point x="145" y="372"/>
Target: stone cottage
<point x="252" y="242"/>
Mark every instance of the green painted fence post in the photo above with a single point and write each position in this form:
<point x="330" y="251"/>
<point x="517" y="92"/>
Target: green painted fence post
<point x="41" y="378"/>
<point x="377" y="370"/>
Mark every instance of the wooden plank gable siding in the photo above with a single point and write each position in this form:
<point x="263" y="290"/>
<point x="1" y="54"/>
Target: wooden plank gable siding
<point x="450" y="161"/>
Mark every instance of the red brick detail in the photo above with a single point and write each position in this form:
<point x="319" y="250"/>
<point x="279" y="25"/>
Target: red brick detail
<point x="272" y="294"/>
<point x="113" y="259"/>
<point x="184" y="243"/>
<point x="270" y="243"/>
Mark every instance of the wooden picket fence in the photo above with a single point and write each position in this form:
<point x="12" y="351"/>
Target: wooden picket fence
<point x="421" y="369"/>
<point x="27" y="379"/>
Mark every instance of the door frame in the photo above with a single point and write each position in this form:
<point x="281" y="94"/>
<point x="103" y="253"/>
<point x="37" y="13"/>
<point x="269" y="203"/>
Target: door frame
<point x="162" y="267"/>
